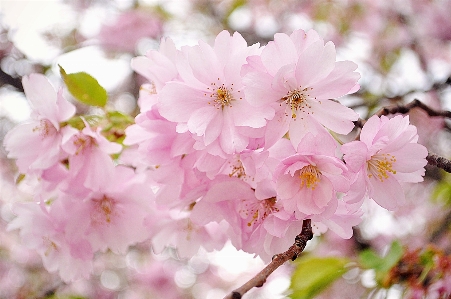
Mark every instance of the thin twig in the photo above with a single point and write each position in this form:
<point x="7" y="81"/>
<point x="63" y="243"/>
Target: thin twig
<point x="439" y="162"/>
<point x="404" y="109"/>
<point x="279" y="259"/>
<point x="414" y="104"/>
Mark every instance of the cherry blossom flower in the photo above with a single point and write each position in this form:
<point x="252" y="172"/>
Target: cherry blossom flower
<point x="234" y="201"/>
<point x="209" y="100"/>
<point x="188" y="237"/>
<point x="307" y="181"/>
<point x="36" y="144"/>
<point x="296" y="76"/>
<point x="90" y="164"/>
<point x="386" y="155"/>
<point x="114" y="216"/>
<point x="159" y="67"/>
<point x="157" y="139"/>
<point x="275" y="235"/>
<point x="45" y="230"/>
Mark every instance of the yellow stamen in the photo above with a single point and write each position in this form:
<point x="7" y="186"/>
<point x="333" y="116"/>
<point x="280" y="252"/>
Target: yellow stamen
<point x="45" y="128"/>
<point x="380" y="165"/>
<point x="258" y="210"/>
<point x="223" y="97"/>
<point x="104" y="210"/>
<point x="238" y="170"/>
<point x="297" y="99"/>
<point x="310" y="176"/>
<point x="50" y="246"/>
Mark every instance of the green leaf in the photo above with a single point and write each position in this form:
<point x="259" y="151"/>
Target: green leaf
<point x="382" y="265"/>
<point x="114" y="131"/>
<point x="85" y="88"/>
<point x="371" y="260"/>
<point x="78" y="123"/>
<point x="314" y="274"/>
<point x="118" y="117"/>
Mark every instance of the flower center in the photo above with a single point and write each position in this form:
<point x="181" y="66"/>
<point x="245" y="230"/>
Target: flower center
<point x="103" y="210"/>
<point x="45" y="128"/>
<point x="310" y="176"/>
<point x="50" y="246"/>
<point x="297" y="100"/>
<point x="82" y="142"/>
<point x="255" y="211"/>
<point x="221" y="95"/>
<point x="237" y="170"/>
<point x="380" y="165"/>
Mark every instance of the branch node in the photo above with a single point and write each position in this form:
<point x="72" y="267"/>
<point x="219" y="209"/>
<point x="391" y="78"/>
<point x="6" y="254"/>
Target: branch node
<point x="236" y="295"/>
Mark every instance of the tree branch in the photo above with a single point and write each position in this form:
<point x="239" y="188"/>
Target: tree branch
<point x="439" y="162"/>
<point x="279" y="259"/>
<point x="404" y="109"/>
<point x="414" y="104"/>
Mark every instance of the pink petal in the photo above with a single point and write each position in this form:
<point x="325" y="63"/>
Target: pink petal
<point x="355" y="154"/>
<point x="178" y="101"/>
<point x="278" y="53"/>
<point x="334" y="116"/>
<point x="42" y="95"/>
<point x="388" y="194"/>
<point x="315" y="63"/>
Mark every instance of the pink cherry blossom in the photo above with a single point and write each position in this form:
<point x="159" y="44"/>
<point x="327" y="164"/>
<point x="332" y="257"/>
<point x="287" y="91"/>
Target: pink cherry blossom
<point x="36" y="144"/>
<point x="386" y="155"/>
<point x="90" y="164"/>
<point x="157" y="139"/>
<point x="274" y="236"/>
<point x="342" y="221"/>
<point x="114" y="216"/>
<point x="46" y="231"/>
<point x="188" y="237"/>
<point x="209" y="100"/>
<point x="296" y="76"/>
<point x="234" y="201"/>
<point x="159" y="67"/>
<point x="307" y="182"/>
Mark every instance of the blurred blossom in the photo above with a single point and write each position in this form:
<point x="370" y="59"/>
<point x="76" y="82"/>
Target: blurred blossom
<point x="128" y="28"/>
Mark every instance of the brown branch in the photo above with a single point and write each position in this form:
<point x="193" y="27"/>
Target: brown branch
<point x="404" y="109"/>
<point x="414" y="104"/>
<point x="439" y="162"/>
<point x="279" y="259"/>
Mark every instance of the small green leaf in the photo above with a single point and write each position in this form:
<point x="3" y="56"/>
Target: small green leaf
<point x="369" y="259"/>
<point x="393" y="255"/>
<point x="78" y="123"/>
<point x="85" y="88"/>
<point x="118" y="117"/>
<point x="314" y="274"/>
<point x="114" y="130"/>
<point x="382" y="265"/>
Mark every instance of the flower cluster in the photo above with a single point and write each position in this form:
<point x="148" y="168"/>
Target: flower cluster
<point x="233" y="142"/>
<point x="240" y="140"/>
<point x="83" y="202"/>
